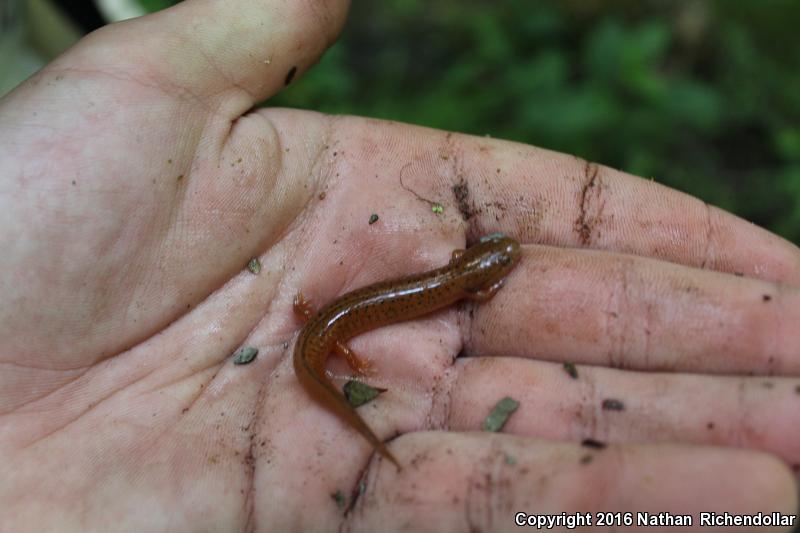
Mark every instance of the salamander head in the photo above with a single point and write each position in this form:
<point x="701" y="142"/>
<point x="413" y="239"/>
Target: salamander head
<point x="487" y="262"/>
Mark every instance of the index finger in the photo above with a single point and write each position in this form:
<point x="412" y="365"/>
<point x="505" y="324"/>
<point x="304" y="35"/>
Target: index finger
<point x="546" y="197"/>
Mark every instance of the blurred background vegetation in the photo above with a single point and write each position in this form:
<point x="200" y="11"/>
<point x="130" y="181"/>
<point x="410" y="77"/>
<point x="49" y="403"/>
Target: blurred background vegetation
<point x="701" y="95"/>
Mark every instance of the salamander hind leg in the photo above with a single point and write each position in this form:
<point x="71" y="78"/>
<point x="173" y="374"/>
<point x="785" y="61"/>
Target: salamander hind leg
<point x="302" y="307"/>
<point x="359" y="365"/>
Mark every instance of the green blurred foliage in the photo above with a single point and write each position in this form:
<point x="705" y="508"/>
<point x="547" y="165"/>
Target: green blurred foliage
<point x="701" y="95"/>
<point x="156" y="5"/>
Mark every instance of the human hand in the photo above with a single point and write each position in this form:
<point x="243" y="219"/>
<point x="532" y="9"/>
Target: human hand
<point x="137" y="183"/>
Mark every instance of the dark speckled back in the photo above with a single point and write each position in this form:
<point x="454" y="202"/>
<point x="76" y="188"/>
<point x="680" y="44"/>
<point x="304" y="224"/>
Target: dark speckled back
<point x="386" y="302"/>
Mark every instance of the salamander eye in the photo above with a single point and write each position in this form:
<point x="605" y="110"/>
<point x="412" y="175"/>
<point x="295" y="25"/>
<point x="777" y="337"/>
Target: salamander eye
<point x="505" y="260"/>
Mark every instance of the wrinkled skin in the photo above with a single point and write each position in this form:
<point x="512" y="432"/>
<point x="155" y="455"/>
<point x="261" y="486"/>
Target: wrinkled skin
<point x="137" y="182"/>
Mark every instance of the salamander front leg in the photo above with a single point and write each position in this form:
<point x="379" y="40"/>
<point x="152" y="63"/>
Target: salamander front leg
<point x="456" y="255"/>
<point x="486" y="294"/>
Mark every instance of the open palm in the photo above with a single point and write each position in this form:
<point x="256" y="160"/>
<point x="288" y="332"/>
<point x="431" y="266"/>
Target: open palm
<point x="137" y="182"/>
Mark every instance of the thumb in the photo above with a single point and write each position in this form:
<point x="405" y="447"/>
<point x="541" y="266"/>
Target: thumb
<point x="142" y="113"/>
<point x="217" y="49"/>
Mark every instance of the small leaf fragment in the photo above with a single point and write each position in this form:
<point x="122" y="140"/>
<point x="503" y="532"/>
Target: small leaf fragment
<point x="358" y="393"/>
<point x="592" y="443"/>
<point x="244" y="355"/>
<point x="612" y="404"/>
<point x="500" y="414"/>
<point x="437" y="208"/>
<point x="339" y="498"/>
<point x="254" y="266"/>
<point x="373" y="218"/>
<point x="571" y="369"/>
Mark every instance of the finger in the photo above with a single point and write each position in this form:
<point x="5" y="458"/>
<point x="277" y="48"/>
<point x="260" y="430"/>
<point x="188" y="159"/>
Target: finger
<point x="545" y="197"/>
<point x="614" y="406"/>
<point x="242" y="51"/>
<point x="632" y="312"/>
<point x="455" y="472"/>
<point x="478" y="482"/>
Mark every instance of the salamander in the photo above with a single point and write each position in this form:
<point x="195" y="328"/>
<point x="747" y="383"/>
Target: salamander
<point x="476" y="273"/>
